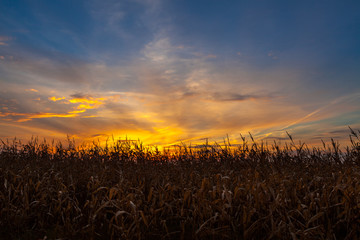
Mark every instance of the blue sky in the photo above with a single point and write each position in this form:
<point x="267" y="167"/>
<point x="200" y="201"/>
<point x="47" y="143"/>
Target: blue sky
<point x="166" y="71"/>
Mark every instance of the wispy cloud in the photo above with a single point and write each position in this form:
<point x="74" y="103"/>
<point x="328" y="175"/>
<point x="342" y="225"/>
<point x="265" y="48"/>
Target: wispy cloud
<point x="4" y="40"/>
<point x="75" y="106"/>
<point x="333" y="102"/>
<point x="31" y="90"/>
<point x="55" y="99"/>
<point x="23" y="117"/>
<point x="229" y="96"/>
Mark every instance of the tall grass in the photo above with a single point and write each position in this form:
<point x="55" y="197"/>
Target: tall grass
<point x="124" y="190"/>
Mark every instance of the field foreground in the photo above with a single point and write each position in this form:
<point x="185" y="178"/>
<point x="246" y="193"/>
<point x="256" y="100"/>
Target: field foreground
<point x="124" y="191"/>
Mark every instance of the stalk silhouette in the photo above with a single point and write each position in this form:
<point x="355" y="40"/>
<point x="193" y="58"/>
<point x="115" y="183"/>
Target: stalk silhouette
<point x="128" y="191"/>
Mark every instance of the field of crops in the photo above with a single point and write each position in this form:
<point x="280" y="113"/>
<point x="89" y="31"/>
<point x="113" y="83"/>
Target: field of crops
<point x="125" y="191"/>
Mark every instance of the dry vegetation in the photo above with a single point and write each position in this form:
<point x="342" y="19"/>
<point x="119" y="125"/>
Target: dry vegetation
<point x="124" y="191"/>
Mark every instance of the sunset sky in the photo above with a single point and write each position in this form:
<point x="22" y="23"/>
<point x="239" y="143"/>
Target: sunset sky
<point x="166" y="71"/>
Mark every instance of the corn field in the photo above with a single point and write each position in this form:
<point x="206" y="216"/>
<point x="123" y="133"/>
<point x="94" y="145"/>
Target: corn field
<point x="125" y="190"/>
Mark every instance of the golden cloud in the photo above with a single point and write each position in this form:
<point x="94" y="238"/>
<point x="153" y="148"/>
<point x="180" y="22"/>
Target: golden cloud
<point x="88" y="102"/>
<point x="83" y="104"/>
<point x="29" y="116"/>
<point x="54" y="99"/>
<point x="31" y="90"/>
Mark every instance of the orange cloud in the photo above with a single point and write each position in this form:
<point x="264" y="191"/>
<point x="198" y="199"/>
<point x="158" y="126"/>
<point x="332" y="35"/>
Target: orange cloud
<point x="31" y="90"/>
<point x="28" y="116"/>
<point x="78" y="111"/>
<point x="89" y="100"/>
<point x="36" y="115"/>
<point x="12" y="114"/>
<point x="54" y="99"/>
<point x="87" y="106"/>
<point x="50" y="115"/>
<point x="84" y="103"/>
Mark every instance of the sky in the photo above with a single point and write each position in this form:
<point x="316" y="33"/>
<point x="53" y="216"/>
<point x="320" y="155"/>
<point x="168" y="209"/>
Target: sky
<point x="167" y="72"/>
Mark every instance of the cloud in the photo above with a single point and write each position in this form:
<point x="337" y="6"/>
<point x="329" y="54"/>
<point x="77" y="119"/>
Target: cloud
<point x="4" y="40"/>
<point x="111" y="13"/>
<point x="31" y="90"/>
<point x="272" y="55"/>
<point x="276" y="138"/>
<point x="23" y="117"/>
<point x="55" y="99"/>
<point x="66" y="108"/>
<point x="112" y="18"/>
<point x="159" y="51"/>
<point x="211" y="56"/>
<point x="45" y="70"/>
<point x="339" y="100"/>
<point x="91" y="101"/>
<point x="225" y="96"/>
<point x="79" y="95"/>
<point x="341" y="132"/>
